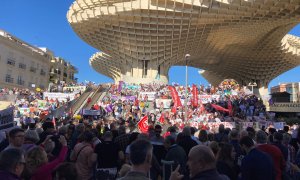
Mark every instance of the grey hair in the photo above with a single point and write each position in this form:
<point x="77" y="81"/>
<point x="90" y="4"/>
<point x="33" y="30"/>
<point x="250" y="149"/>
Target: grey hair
<point x="261" y="137"/>
<point x="32" y="135"/>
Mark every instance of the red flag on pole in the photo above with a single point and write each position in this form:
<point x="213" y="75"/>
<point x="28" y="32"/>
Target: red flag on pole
<point x="219" y="108"/>
<point x="175" y="97"/>
<point x="195" y="95"/>
<point x="143" y="124"/>
<point x="162" y="118"/>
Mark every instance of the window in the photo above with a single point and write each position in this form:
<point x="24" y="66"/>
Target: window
<point x="43" y="73"/>
<point x="11" y="62"/>
<point x="22" y="66"/>
<point x="9" y="79"/>
<point x="20" y="81"/>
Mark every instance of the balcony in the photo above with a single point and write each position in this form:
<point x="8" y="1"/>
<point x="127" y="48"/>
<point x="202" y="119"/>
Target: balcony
<point x="22" y="66"/>
<point x="33" y="69"/>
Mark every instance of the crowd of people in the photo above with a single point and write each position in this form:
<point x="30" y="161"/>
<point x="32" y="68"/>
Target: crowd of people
<point x="171" y="142"/>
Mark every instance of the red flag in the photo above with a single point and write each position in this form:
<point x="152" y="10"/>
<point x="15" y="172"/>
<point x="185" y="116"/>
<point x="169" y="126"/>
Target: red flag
<point x="166" y="134"/>
<point x="162" y="118"/>
<point x="175" y="97"/>
<point x="143" y="124"/>
<point x="195" y="96"/>
<point x="173" y="110"/>
<point x="219" y="108"/>
<point x="230" y="107"/>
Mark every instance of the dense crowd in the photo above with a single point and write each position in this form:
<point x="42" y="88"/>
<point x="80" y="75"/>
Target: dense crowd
<point x="166" y="145"/>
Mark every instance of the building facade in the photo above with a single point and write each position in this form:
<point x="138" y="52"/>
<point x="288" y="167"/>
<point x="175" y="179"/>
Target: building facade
<point x="25" y="66"/>
<point x="21" y="64"/>
<point x="292" y="88"/>
<point x="62" y="71"/>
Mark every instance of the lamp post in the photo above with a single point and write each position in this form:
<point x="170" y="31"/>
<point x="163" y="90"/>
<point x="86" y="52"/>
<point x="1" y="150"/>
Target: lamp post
<point x="252" y="84"/>
<point x="187" y="56"/>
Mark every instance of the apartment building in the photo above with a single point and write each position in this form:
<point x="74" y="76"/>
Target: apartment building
<point x="62" y="71"/>
<point x="25" y="66"/>
<point x="21" y="64"/>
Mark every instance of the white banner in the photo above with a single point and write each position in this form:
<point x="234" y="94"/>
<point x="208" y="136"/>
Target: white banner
<point x="208" y="98"/>
<point x="60" y="96"/>
<point x="151" y="95"/>
<point x="166" y="103"/>
<point x="74" y="88"/>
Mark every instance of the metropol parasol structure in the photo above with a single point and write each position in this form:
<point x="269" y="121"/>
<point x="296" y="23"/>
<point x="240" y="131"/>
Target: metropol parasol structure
<point x="139" y="40"/>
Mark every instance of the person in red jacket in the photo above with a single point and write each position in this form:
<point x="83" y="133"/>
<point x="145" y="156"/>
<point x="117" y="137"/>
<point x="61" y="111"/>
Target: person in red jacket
<point x="273" y="151"/>
<point x="37" y="161"/>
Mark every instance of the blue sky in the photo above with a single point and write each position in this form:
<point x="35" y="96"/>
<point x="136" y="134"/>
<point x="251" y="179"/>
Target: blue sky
<point x="43" y="23"/>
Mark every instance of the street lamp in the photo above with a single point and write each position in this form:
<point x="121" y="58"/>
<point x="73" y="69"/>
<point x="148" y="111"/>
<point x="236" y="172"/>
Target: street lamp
<point x="252" y="84"/>
<point x="187" y="56"/>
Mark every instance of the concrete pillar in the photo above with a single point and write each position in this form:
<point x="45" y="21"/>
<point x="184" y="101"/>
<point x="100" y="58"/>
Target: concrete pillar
<point x="262" y="93"/>
<point x="134" y="73"/>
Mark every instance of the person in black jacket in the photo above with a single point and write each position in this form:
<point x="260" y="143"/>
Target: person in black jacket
<point x="202" y="164"/>
<point x="225" y="161"/>
<point x="185" y="140"/>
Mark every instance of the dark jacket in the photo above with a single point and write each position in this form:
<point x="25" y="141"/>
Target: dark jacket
<point x="187" y="143"/>
<point x="8" y="176"/>
<point x="224" y="168"/>
<point x="211" y="174"/>
<point x="177" y="154"/>
<point x="257" y="165"/>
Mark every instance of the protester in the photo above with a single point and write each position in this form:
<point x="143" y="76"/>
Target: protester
<point x="37" y="161"/>
<point x="202" y="164"/>
<point x="140" y="157"/>
<point x="273" y="151"/>
<point x="16" y="138"/>
<point x="256" y="164"/>
<point x="12" y="164"/>
<point x="84" y="156"/>
<point x="225" y="161"/>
